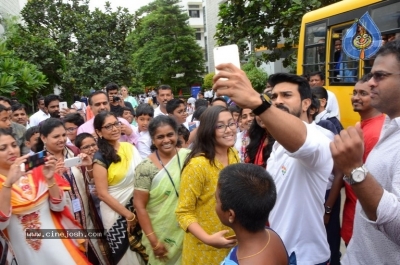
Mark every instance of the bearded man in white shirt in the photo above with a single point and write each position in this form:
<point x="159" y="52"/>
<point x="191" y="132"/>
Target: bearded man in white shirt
<point x="300" y="162"/>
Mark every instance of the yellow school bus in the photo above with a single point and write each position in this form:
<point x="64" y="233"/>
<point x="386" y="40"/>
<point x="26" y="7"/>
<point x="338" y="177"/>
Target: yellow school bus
<point x="320" y="45"/>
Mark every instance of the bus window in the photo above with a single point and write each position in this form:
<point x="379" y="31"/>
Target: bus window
<point x="342" y="69"/>
<point x="314" y="54"/>
<point x="387" y="18"/>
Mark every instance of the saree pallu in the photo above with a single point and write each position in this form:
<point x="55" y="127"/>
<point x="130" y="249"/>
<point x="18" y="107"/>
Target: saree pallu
<point x="120" y="180"/>
<point x="79" y="186"/>
<point x="32" y="208"/>
<point x="161" y="209"/>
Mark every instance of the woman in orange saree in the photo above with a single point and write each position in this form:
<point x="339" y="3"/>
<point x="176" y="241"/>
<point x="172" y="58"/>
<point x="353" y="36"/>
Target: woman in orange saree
<point x="34" y="202"/>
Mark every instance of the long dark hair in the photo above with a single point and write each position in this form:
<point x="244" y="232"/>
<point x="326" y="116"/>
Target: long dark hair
<point x="159" y="121"/>
<point x="45" y="128"/>
<point x="257" y="135"/>
<point x="105" y="148"/>
<point x="205" y="142"/>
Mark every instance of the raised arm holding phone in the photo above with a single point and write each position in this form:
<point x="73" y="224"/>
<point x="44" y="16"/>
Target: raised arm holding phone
<point x="300" y="162"/>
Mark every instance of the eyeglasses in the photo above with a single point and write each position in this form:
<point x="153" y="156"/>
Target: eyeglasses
<point x="222" y="127"/>
<point x="109" y="127"/>
<point x="86" y="147"/>
<point x="379" y="76"/>
<point x="71" y="129"/>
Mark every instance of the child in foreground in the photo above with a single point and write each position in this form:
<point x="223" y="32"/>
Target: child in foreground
<point x="245" y="196"/>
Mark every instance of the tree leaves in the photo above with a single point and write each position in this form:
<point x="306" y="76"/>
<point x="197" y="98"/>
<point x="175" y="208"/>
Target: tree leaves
<point x="74" y="47"/>
<point x="264" y="23"/>
<point x="18" y="76"/>
<point x="166" y="50"/>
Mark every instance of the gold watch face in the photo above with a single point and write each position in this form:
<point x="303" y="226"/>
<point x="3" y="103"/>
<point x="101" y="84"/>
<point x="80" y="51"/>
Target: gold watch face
<point x="267" y="98"/>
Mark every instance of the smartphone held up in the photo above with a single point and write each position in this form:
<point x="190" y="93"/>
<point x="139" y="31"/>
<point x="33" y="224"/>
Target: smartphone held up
<point x="226" y="54"/>
<point x="34" y="160"/>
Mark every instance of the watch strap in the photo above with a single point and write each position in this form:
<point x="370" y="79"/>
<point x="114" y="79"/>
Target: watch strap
<point x="266" y="103"/>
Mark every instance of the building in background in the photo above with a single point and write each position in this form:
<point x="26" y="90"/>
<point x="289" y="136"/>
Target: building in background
<point x="211" y="9"/>
<point x="9" y="8"/>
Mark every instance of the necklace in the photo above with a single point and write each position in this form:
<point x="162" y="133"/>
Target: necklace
<point x="269" y="238"/>
<point x="166" y="171"/>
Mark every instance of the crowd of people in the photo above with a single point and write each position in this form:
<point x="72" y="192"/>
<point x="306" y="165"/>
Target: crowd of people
<point x="217" y="179"/>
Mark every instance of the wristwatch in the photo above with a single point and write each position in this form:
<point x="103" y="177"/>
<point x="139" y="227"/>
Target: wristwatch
<point x="266" y="103"/>
<point x="328" y="209"/>
<point x="357" y="175"/>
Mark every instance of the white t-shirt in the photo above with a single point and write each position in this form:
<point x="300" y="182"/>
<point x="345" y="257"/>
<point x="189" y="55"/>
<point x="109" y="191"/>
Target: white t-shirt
<point x="331" y="136"/>
<point x="143" y="142"/>
<point x="157" y="112"/>
<point x="38" y="117"/>
<point x="301" y="179"/>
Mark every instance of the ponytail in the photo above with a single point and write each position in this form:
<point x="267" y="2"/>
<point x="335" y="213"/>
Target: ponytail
<point x="108" y="151"/>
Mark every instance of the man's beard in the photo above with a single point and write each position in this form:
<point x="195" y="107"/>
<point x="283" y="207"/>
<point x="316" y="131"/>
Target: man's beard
<point x="55" y="114"/>
<point x="295" y="113"/>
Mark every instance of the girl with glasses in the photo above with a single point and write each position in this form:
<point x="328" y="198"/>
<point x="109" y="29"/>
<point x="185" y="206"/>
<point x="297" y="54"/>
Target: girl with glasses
<point x="205" y="242"/>
<point x="113" y="172"/>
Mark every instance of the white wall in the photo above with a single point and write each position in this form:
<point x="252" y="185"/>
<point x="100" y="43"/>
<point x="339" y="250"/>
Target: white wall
<point x="9" y="7"/>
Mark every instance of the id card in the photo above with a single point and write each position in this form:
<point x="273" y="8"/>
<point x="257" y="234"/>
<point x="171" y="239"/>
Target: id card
<point x="76" y="205"/>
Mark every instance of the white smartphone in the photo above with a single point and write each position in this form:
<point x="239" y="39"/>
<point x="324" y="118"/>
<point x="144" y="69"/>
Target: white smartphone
<point x="63" y="105"/>
<point x="72" y="162"/>
<point x="226" y="54"/>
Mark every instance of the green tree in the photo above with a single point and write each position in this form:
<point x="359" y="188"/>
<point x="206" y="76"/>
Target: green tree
<point x="249" y="20"/>
<point x="208" y="80"/>
<point x="18" y="77"/>
<point x="166" y="49"/>
<point x="76" y="48"/>
<point x="38" y="50"/>
<point x="103" y="54"/>
<point x="257" y="77"/>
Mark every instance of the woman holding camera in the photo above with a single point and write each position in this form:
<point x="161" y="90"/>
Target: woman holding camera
<point x="113" y="172"/>
<point x="53" y="138"/>
<point x="34" y="200"/>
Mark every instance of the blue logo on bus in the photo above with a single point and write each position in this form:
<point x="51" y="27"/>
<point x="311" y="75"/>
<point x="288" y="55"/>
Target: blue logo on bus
<point x="363" y="39"/>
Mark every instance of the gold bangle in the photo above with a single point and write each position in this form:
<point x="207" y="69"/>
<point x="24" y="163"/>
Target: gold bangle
<point x="131" y="220"/>
<point x="50" y="186"/>
<point x="5" y="186"/>
<point x="157" y="246"/>
<point x="150" y="234"/>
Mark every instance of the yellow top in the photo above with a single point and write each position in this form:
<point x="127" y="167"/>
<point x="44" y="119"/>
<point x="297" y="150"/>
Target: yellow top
<point x="197" y="204"/>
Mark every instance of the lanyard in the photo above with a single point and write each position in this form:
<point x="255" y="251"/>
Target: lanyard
<point x="169" y="175"/>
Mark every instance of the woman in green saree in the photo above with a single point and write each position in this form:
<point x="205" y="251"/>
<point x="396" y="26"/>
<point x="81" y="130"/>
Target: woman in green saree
<point x="157" y="181"/>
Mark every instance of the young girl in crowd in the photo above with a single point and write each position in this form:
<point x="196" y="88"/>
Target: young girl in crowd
<point x="205" y="242"/>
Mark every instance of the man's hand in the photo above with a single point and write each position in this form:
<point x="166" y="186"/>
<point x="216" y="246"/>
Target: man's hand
<point x="126" y="129"/>
<point x="348" y="149"/>
<point x="236" y="86"/>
